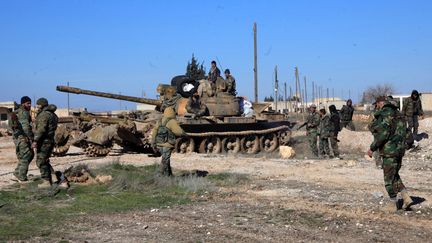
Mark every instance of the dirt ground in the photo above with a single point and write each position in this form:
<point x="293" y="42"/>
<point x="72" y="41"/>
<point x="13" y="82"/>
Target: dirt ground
<point x="301" y="199"/>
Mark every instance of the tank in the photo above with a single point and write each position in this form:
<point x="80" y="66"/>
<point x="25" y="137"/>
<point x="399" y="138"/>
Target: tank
<point x="225" y="129"/>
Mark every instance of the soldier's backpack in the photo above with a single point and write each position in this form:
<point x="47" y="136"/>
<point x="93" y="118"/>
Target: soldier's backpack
<point x="164" y="134"/>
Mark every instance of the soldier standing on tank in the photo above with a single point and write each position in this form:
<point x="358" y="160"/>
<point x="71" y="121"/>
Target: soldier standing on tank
<point x="412" y="109"/>
<point x="346" y="114"/>
<point x="21" y="125"/>
<point x="389" y="130"/>
<point x="196" y="107"/>
<point x="324" y="133"/>
<point x="231" y="83"/>
<point x="45" y="127"/>
<point x="312" y="123"/>
<point x="214" y="73"/>
<point x="164" y="138"/>
<point x="334" y="130"/>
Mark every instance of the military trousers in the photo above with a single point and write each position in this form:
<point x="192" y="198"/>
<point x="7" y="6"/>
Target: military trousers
<point x="25" y="155"/>
<point x="324" y="147"/>
<point x="392" y="181"/>
<point x="334" y="145"/>
<point x="165" y="168"/>
<point x="312" y="137"/>
<point x="348" y="125"/>
<point x="43" y="153"/>
<point x="413" y="124"/>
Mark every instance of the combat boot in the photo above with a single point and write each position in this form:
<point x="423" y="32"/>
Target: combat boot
<point x="390" y="206"/>
<point x="45" y="184"/>
<point x="407" y="201"/>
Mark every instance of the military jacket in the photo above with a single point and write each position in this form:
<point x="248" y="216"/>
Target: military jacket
<point x="389" y="130"/>
<point x="325" y="127"/>
<point x="412" y="107"/>
<point x="24" y="119"/>
<point x="45" y="124"/>
<point x="313" y="121"/>
<point x="347" y="113"/>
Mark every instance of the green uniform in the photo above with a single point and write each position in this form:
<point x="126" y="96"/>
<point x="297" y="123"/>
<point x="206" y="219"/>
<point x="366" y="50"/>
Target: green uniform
<point x="346" y="114"/>
<point x="412" y="109"/>
<point x="22" y="134"/>
<point x="45" y="127"/>
<point x="389" y="130"/>
<point x="164" y="137"/>
<point x="324" y="133"/>
<point x="231" y="85"/>
<point x="334" y="131"/>
<point x="313" y="121"/>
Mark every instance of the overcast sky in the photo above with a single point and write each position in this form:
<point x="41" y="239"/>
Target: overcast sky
<point x="131" y="46"/>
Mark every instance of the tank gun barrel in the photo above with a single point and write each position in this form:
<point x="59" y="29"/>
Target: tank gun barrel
<point x="74" y="90"/>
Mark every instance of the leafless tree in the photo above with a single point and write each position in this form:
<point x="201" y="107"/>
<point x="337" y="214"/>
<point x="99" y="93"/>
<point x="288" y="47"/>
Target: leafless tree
<point x="372" y="92"/>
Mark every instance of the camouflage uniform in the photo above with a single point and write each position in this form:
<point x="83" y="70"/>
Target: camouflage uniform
<point x="313" y="121"/>
<point x="214" y="74"/>
<point x="334" y="131"/>
<point x="22" y="133"/>
<point x="231" y="85"/>
<point x="196" y="107"/>
<point x="324" y="133"/>
<point x="45" y="127"/>
<point x="412" y="108"/>
<point x="389" y="130"/>
<point x="346" y="114"/>
<point x="164" y="137"/>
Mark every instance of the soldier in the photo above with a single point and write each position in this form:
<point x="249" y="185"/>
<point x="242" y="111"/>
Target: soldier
<point x="312" y="123"/>
<point x="412" y="109"/>
<point x="389" y="132"/>
<point x="22" y="133"/>
<point x="346" y="114"/>
<point x="214" y="73"/>
<point x="45" y="127"/>
<point x="231" y="83"/>
<point x="196" y="107"/>
<point x="164" y="137"/>
<point x="324" y="133"/>
<point x="334" y="130"/>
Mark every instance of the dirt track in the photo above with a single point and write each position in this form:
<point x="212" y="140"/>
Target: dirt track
<point x="285" y="200"/>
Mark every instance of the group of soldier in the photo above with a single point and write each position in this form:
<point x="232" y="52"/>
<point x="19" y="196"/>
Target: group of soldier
<point x="34" y="136"/>
<point x="324" y="128"/>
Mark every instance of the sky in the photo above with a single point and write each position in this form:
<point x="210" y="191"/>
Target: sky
<point x="129" y="47"/>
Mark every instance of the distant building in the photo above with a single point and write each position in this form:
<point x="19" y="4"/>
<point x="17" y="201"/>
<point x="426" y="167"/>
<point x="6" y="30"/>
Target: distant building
<point x="5" y="109"/>
<point x="426" y="99"/>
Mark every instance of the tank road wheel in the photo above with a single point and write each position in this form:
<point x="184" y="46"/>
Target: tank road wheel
<point x="96" y="150"/>
<point x="184" y="145"/>
<point x="231" y="145"/>
<point x="250" y="144"/>
<point x="269" y="142"/>
<point x="61" y="149"/>
<point x="210" y="145"/>
<point x="284" y="137"/>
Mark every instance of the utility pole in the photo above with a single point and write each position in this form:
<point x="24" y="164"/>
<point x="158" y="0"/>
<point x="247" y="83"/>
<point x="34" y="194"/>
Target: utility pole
<point x="276" y="89"/>
<point x="333" y="94"/>
<point x="313" y="92"/>
<point x="291" y="95"/>
<point x="305" y="92"/>
<point x="285" y="96"/>
<point x="349" y="94"/>
<point x="255" y="63"/>
<point x="328" y="97"/>
<point x="68" y="101"/>
<point x="298" y="87"/>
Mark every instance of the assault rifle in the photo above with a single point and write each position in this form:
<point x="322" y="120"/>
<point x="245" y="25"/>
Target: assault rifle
<point x="302" y="125"/>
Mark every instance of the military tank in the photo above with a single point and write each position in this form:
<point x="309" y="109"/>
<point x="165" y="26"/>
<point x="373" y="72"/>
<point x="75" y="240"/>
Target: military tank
<point x="224" y="129"/>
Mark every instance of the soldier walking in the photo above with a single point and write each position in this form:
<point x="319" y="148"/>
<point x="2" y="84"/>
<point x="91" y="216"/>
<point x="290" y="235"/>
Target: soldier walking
<point x="312" y="123"/>
<point x="45" y="127"/>
<point x="324" y="133"/>
<point x="334" y="130"/>
<point x="412" y="109"/>
<point x="21" y="125"/>
<point x="346" y="114"/>
<point x="389" y="131"/>
<point x="164" y="138"/>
